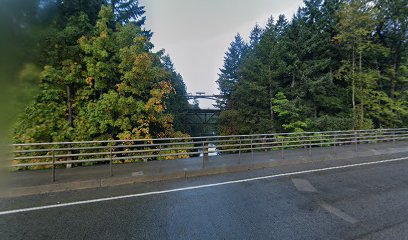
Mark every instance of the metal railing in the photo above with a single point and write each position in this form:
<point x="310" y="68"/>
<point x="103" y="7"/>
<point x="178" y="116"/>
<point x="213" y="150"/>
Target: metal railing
<point x="56" y="154"/>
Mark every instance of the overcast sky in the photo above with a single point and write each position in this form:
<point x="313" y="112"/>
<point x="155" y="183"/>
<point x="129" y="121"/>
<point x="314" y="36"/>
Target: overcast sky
<point x="197" y="33"/>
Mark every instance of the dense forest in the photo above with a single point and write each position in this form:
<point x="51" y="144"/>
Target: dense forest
<point x="338" y="64"/>
<point x="89" y="72"/>
<point x="95" y="75"/>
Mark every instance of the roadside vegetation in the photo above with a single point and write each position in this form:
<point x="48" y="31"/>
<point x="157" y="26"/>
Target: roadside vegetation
<point x="89" y="72"/>
<point x="96" y="76"/>
<point x="337" y="65"/>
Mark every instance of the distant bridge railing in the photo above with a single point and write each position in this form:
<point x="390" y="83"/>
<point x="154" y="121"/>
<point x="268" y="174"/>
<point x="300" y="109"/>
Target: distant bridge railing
<point x="58" y="154"/>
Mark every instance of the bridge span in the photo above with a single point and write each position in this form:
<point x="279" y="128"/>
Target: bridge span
<point x="327" y="185"/>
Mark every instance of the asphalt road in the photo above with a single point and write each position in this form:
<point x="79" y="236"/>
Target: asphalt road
<point x="355" y="202"/>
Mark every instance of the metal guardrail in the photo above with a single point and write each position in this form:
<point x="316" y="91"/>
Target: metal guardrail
<point x="57" y="154"/>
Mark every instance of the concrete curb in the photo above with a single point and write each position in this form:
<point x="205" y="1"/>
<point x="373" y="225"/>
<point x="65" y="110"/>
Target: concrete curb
<point x="185" y="173"/>
<point x="50" y="188"/>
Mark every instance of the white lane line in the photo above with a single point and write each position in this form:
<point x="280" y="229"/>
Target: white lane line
<point x="339" y="213"/>
<point x="303" y="185"/>
<point x="196" y="187"/>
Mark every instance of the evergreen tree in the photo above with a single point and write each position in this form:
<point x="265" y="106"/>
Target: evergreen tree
<point x="177" y="103"/>
<point x="335" y="65"/>
<point x="258" y="83"/>
<point x="228" y="75"/>
<point x="255" y="36"/>
<point x="129" y="11"/>
<point x="110" y="86"/>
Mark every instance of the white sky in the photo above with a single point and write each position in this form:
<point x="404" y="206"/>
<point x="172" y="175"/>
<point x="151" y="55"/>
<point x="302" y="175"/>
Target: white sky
<point x="197" y="33"/>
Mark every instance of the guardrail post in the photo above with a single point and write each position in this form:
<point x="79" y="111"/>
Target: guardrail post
<point x="355" y="140"/>
<point x="252" y="151"/>
<point x="376" y="137"/>
<point x="110" y="161"/>
<point x="53" y="166"/>
<point x="393" y="137"/>
<point x="264" y="144"/>
<point x="334" y="146"/>
<point x="303" y="142"/>
<point x="145" y="148"/>
<point x="310" y="147"/>
<point x="282" y="149"/>
<point x="161" y="160"/>
<point x="239" y="152"/>
<point x="205" y="153"/>
<point x="69" y="165"/>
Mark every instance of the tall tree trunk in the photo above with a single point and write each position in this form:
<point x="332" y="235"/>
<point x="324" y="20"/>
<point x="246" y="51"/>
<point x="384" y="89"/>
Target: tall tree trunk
<point x="69" y="104"/>
<point x="353" y="89"/>
<point x="394" y="79"/>
<point x="397" y="58"/>
<point x="271" y="106"/>
<point x="271" y="98"/>
<point x="360" y="73"/>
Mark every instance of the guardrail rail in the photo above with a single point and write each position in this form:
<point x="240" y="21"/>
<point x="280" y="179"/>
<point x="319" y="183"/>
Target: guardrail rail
<point x="57" y="154"/>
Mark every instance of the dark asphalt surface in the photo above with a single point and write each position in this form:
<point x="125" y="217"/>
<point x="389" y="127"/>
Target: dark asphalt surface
<point x="365" y="202"/>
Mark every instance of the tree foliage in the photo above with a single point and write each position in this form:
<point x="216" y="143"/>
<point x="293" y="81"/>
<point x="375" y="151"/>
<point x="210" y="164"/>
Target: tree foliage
<point x="100" y="78"/>
<point x="229" y="73"/>
<point x="338" y="64"/>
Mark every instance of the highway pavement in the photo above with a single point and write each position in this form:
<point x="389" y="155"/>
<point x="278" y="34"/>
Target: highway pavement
<point x="357" y="198"/>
